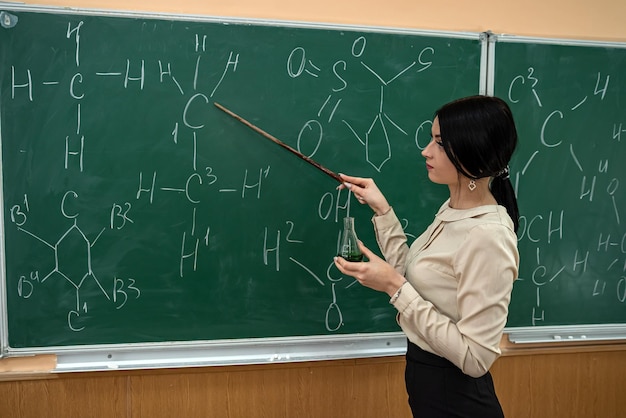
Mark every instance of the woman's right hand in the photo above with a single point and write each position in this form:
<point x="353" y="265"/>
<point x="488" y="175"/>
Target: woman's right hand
<point x="366" y="192"/>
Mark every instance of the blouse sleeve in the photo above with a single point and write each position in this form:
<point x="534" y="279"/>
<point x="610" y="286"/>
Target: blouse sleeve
<point x="391" y="240"/>
<point x="486" y="266"/>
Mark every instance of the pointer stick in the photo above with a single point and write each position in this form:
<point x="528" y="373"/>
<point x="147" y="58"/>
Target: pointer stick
<point x="279" y="142"/>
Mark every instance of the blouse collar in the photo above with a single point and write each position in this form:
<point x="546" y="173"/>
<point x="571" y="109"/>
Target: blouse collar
<point x="448" y="214"/>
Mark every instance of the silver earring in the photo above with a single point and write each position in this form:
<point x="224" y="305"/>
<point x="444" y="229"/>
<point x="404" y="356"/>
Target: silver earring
<point x="471" y="185"/>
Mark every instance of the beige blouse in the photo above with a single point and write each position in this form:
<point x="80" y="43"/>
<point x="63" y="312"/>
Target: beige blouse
<point x="460" y="275"/>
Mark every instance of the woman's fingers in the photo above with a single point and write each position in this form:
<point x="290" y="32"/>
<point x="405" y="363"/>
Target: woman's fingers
<point x="365" y="191"/>
<point x="352" y="179"/>
<point x="366" y="251"/>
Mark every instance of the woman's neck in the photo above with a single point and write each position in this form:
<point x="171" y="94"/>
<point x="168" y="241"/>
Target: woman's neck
<point x="461" y="197"/>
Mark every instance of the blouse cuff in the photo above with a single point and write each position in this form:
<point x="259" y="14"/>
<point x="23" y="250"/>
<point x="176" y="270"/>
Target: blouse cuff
<point x="405" y="297"/>
<point x="398" y="293"/>
<point x="385" y="221"/>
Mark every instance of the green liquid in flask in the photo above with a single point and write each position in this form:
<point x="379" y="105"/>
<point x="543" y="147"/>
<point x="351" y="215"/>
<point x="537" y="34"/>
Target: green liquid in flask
<point x="353" y="257"/>
<point x="349" y="242"/>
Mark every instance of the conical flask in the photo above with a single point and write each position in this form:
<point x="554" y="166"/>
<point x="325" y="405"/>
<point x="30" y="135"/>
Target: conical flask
<point x="349" y="248"/>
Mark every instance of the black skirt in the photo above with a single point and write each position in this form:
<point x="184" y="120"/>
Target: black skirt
<point x="439" y="389"/>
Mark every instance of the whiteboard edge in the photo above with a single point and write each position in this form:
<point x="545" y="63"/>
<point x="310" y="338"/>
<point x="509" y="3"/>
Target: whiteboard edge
<point x="555" y="41"/>
<point x="221" y="352"/>
<point x="4" y="325"/>
<point x="490" y="64"/>
<point x="566" y="333"/>
<point x="483" y="87"/>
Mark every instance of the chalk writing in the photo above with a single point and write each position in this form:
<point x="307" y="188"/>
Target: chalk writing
<point x="375" y="139"/>
<point x="559" y="257"/>
<point x="73" y="237"/>
<point x="187" y="224"/>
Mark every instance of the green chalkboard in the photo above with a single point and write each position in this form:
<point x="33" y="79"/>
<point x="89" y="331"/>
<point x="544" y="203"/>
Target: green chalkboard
<point x="569" y="100"/>
<point x="135" y="211"/>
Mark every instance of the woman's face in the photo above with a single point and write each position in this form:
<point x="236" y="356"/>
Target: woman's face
<point x="440" y="168"/>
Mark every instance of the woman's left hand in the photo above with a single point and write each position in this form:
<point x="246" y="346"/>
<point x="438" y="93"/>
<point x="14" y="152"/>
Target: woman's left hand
<point x="376" y="273"/>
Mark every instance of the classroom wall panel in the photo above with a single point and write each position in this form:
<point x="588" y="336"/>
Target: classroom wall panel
<point x="583" y="384"/>
<point x="103" y="396"/>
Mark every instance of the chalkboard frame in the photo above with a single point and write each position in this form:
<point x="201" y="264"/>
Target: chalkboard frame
<point x="218" y="352"/>
<point x="544" y="334"/>
<point x="4" y="321"/>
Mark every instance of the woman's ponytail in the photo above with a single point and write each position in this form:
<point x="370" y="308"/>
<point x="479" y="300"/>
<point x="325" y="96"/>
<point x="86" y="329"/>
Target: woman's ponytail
<point x="502" y="190"/>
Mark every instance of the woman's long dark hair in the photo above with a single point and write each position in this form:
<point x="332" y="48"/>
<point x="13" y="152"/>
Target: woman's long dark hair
<point x="479" y="137"/>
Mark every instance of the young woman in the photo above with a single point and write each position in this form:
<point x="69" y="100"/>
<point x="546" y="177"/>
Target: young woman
<point x="452" y="286"/>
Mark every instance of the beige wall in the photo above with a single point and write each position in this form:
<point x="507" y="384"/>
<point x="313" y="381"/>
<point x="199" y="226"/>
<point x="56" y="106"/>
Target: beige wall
<point x="602" y="20"/>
